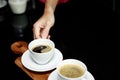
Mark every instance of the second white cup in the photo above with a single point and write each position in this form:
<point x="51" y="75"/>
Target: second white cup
<point x="41" y="50"/>
<point x="71" y="69"/>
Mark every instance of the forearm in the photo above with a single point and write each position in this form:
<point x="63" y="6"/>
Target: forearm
<point x="50" y="6"/>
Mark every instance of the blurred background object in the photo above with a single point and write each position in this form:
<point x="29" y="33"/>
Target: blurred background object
<point x="3" y="10"/>
<point x="3" y="3"/>
<point x="19" y="23"/>
<point x="18" y="6"/>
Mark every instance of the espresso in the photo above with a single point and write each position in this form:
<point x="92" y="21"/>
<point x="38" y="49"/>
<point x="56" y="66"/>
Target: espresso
<point x="71" y="70"/>
<point x="42" y="48"/>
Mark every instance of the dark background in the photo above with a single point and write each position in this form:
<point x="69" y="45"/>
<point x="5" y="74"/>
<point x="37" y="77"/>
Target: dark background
<point x="81" y="31"/>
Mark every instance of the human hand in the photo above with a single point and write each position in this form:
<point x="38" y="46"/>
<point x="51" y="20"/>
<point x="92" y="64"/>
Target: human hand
<point x="43" y="25"/>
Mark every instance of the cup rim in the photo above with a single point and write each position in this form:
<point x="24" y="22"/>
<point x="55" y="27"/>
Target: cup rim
<point x="31" y="42"/>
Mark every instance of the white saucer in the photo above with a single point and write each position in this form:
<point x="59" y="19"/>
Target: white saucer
<point x="31" y="65"/>
<point x="54" y="76"/>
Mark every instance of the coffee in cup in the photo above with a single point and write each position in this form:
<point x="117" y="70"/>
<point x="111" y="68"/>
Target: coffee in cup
<point x="71" y="69"/>
<point x="41" y="50"/>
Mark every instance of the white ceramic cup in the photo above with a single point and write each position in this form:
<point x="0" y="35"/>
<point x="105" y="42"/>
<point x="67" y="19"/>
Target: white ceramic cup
<point x="41" y="57"/>
<point x="18" y="6"/>
<point x="71" y="69"/>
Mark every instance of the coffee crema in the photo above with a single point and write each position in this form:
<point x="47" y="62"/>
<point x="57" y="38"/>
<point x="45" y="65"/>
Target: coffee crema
<point x="71" y="70"/>
<point x="42" y="48"/>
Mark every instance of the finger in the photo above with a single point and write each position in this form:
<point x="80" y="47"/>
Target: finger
<point x="36" y="32"/>
<point x="48" y="37"/>
<point x="45" y="32"/>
